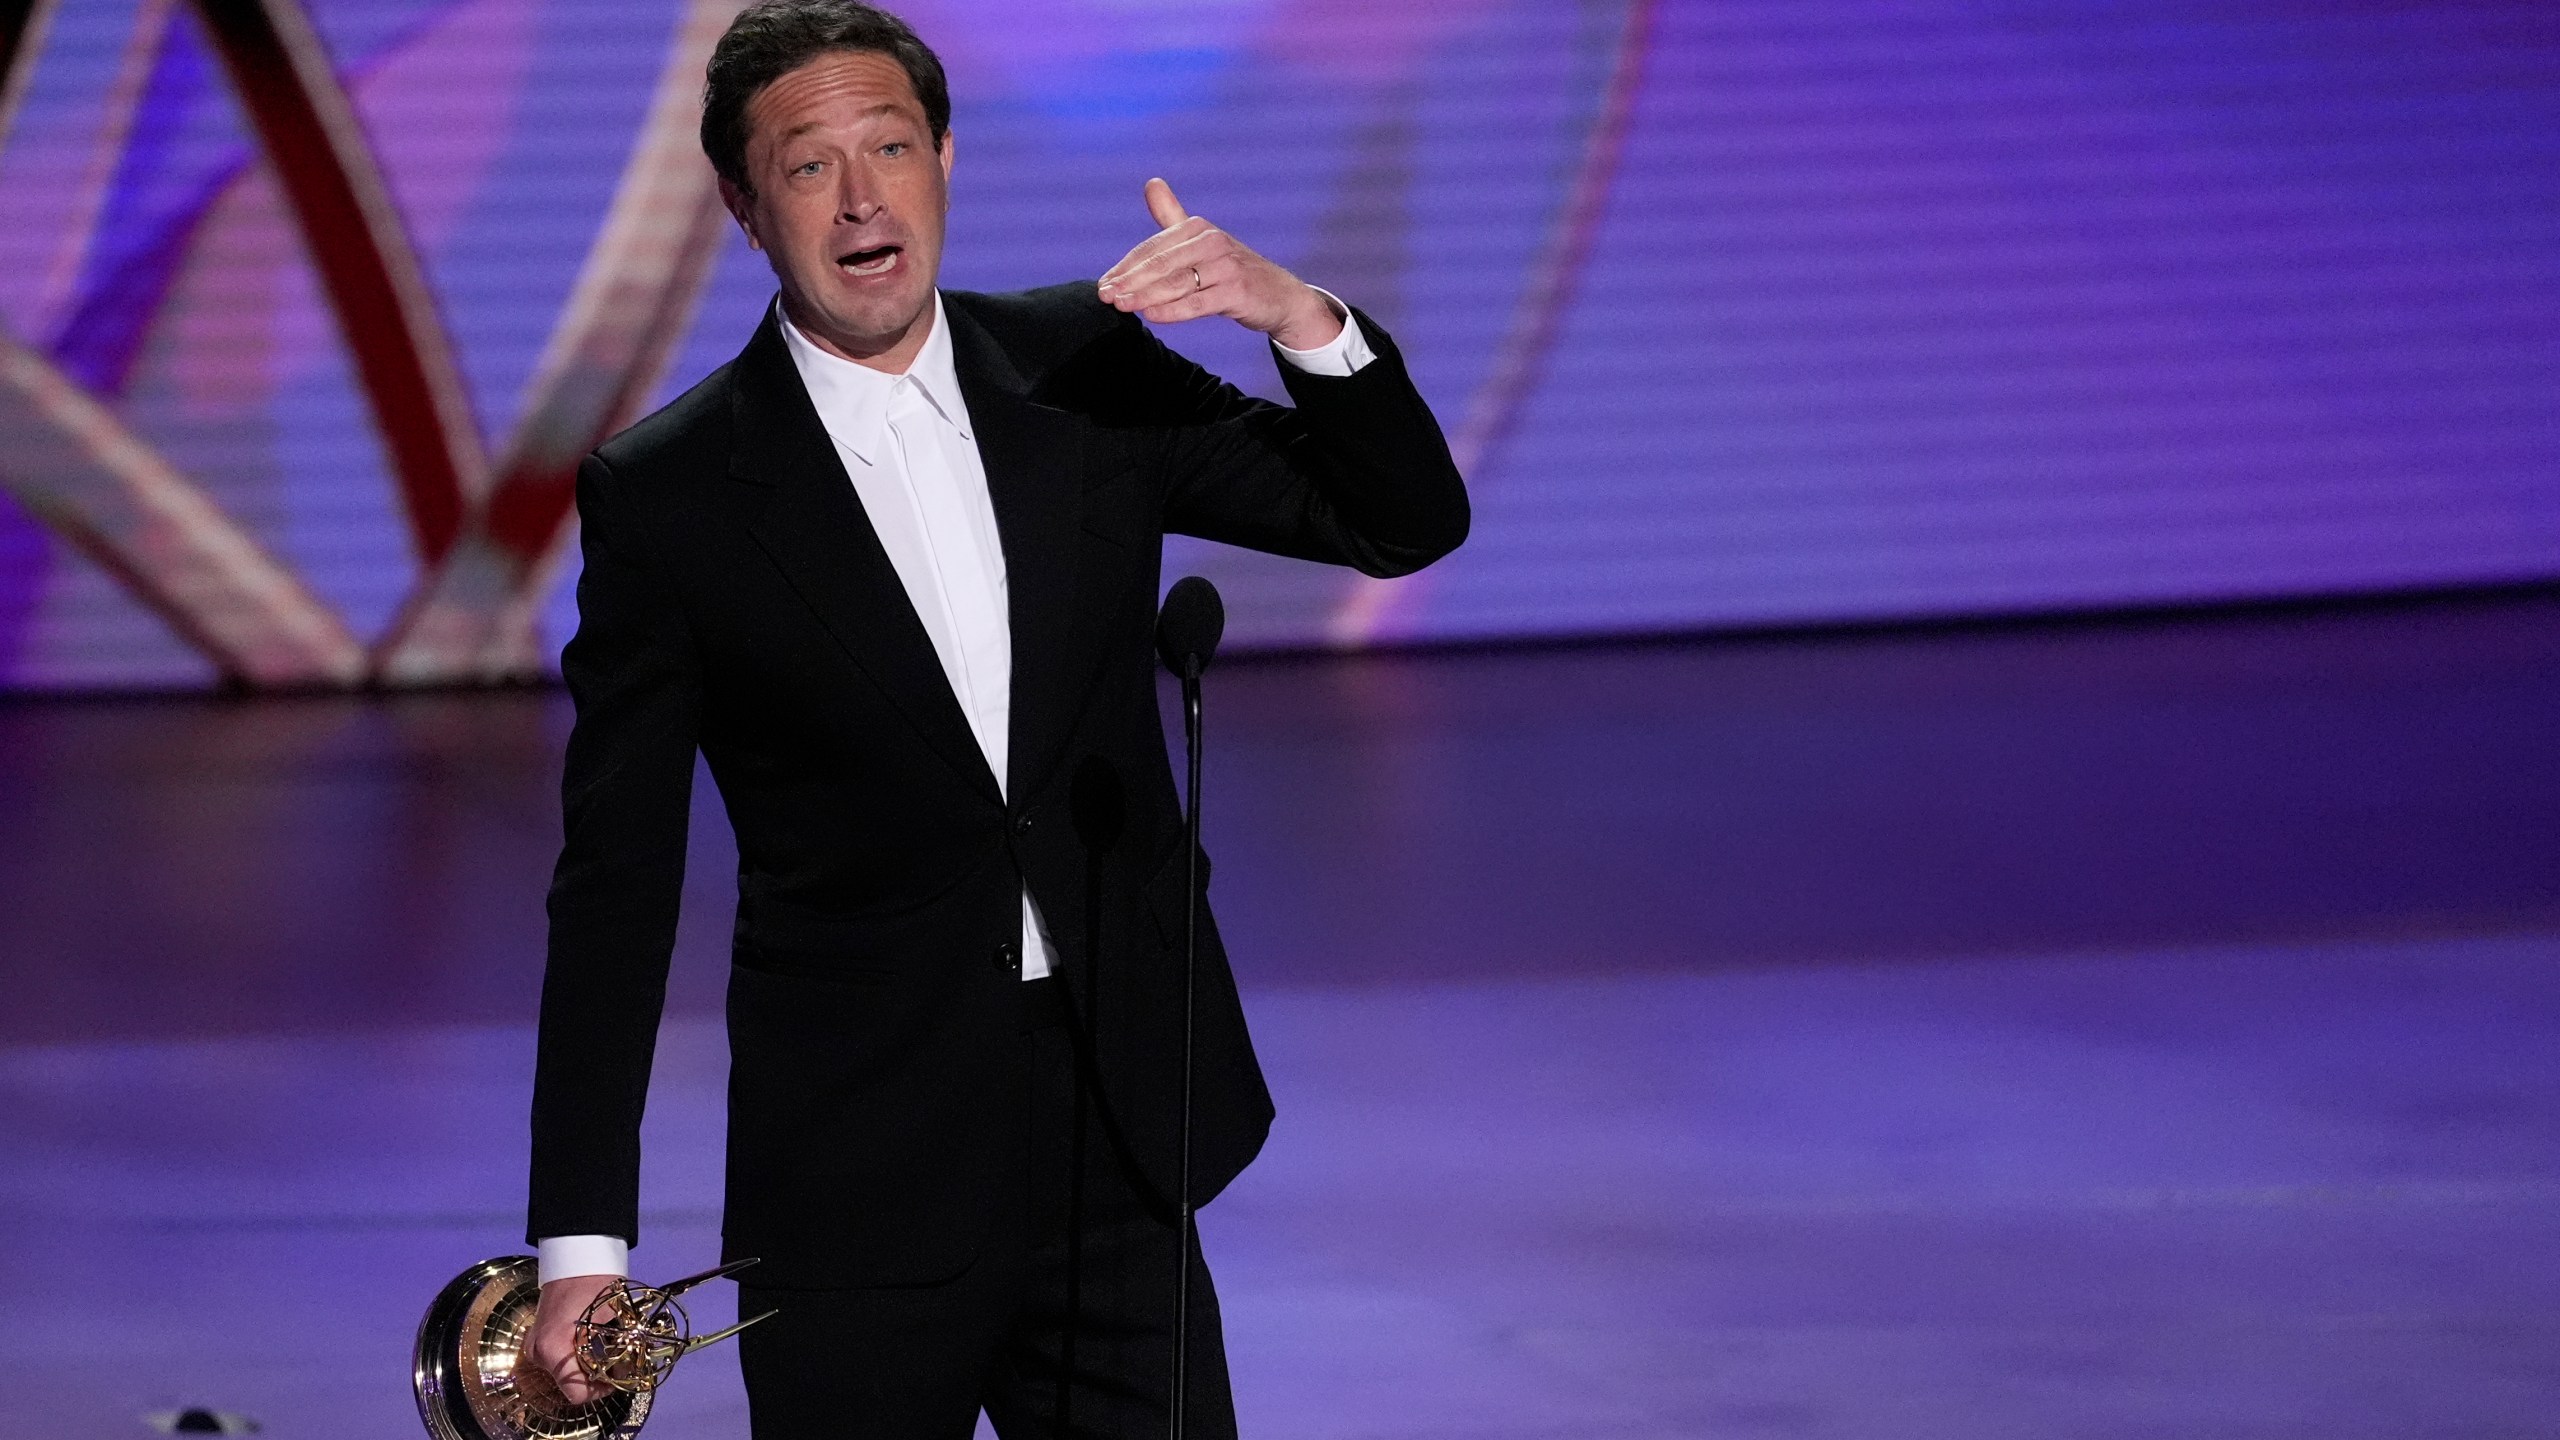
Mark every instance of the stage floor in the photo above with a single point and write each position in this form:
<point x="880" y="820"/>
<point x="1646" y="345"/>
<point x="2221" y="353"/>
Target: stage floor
<point x="2077" y="1030"/>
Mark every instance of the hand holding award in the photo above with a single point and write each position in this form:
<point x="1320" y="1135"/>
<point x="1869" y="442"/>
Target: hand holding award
<point x="474" y="1380"/>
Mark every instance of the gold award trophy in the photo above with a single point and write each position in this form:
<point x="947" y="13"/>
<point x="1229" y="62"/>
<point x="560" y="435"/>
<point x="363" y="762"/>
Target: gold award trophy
<point x="466" y="1368"/>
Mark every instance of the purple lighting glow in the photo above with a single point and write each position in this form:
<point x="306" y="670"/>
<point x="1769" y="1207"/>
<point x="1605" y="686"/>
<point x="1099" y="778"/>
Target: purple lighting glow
<point x="1746" y="313"/>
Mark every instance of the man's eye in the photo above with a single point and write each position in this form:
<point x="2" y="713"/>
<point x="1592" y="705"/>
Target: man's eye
<point x="894" y="148"/>
<point x="809" y="168"/>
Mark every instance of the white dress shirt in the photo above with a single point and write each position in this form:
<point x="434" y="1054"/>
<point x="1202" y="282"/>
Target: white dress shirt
<point x="909" y="449"/>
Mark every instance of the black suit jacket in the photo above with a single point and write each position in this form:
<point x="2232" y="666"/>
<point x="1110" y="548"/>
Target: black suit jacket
<point x="736" y="600"/>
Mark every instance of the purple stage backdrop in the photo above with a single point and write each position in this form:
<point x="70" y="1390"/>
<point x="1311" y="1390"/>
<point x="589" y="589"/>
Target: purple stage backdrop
<point x="1739" y="313"/>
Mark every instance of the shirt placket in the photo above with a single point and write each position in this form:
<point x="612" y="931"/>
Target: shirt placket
<point x="971" y="596"/>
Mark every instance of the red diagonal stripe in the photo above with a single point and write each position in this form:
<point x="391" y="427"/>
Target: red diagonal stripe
<point x="309" y="130"/>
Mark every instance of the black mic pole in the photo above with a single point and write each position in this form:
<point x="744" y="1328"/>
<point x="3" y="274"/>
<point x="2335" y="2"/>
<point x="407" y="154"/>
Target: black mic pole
<point x="1187" y="634"/>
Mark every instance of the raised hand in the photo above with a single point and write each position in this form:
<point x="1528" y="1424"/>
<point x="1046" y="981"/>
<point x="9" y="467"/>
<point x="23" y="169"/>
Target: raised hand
<point x="1190" y="268"/>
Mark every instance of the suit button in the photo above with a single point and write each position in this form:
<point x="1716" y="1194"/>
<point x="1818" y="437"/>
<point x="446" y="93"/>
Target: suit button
<point x="1022" y="825"/>
<point x="1008" y="957"/>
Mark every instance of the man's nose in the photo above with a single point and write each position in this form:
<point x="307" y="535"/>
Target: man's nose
<point x="856" y="201"/>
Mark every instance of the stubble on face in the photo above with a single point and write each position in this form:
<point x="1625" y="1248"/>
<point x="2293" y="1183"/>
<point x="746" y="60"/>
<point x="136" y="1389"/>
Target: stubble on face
<point x="850" y="193"/>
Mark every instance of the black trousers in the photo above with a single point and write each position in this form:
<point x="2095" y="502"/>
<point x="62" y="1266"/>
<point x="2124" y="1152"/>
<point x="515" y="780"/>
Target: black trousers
<point x="1062" y="1327"/>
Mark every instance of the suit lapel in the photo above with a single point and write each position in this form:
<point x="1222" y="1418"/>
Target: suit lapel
<point x="812" y="525"/>
<point x="1030" y="452"/>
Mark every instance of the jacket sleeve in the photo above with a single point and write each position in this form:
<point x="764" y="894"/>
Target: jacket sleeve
<point x="1356" y="474"/>
<point x="634" y="674"/>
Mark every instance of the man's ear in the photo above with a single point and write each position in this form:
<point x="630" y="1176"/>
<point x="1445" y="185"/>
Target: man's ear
<point x="741" y="208"/>
<point x="944" y="147"/>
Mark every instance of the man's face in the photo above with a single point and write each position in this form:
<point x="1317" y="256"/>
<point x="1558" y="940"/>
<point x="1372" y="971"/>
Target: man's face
<point x="850" y="196"/>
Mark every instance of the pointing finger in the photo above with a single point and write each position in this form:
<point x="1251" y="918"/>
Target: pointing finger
<point x="1191" y="240"/>
<point x="1161" y="204"/>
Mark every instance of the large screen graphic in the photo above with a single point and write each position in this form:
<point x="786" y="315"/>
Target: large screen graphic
<point x="1738" y="312"/>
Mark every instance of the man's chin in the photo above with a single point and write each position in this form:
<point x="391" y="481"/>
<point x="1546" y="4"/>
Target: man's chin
<point x="867" y="324"/>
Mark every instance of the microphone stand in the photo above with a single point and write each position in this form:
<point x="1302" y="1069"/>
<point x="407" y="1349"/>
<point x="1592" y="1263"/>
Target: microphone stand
<point x="1187" y="630"/>
<point x="1191" y="668"/>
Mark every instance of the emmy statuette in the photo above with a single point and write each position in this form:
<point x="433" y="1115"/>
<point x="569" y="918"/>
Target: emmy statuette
<point x="465" y="1367"/>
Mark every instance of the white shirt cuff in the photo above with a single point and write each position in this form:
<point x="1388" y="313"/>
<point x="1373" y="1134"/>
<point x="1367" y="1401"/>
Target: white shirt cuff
<point x="563" y="1256"/>
<point x="1344" y="354"/>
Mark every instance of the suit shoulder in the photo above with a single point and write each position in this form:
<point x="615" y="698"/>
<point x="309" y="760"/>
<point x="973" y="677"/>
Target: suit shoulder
<point x="1041" y="329"/>
<point x="677" y="435"/>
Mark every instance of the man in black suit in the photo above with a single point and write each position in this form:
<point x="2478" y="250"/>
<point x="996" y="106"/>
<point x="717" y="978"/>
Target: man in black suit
<point x="893" y="572"/>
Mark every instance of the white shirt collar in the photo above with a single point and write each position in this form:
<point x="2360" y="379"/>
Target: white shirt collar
<point x="853" y="401"/>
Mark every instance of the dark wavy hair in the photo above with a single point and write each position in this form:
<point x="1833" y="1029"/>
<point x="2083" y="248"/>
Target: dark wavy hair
<point x="770" y="40"/>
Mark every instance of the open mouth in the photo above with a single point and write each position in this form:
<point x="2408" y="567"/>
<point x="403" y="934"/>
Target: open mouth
<point x="878" y="261"/>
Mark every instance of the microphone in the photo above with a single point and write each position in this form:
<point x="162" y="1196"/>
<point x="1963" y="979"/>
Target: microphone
<point x="1189" y="627"/>
<point x="1187" y="632"/>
